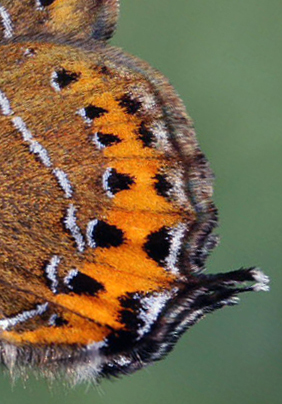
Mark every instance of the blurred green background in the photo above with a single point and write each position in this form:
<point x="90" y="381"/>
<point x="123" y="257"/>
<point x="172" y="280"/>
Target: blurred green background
<point x="224" y="57"/>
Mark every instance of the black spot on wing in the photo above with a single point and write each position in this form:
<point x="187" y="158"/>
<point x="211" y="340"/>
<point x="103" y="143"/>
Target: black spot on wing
<point x="158" y="244"/>
<point x="130" y="320"/>
<point x="64" y="78"/>
<point x="118" y="182"/>
<point x="119" y="342"/>
<point x="58" y="321"/>
<point x="129" y="315"/>
<point x="130" y="301"/>
<point x="82" y="284"/>
<point x="45" y="3"/>
<point x="162" y="185"/>
<point x="124" y="340"/>
<point x="145" y="135"/>
<point x="92" y="112"/>
<point x="130" y="104"/>
<point x="104" y="70"/>
<point x="107" y="139"/>
<point x="105" y="235"/>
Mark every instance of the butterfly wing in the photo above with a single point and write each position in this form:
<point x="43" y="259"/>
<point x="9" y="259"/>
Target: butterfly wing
<point x="106" y="201"/>
<point x="69" y="19"/>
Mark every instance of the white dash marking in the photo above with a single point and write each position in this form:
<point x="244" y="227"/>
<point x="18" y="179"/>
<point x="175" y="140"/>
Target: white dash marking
<point x="152" y="307"/>
<point x="35" y="147"/>
<point x="177" y="235"/>
<point x="29" y="52"/>
<point x="82" y="113"/>
<point x="7" y="23"/>
<point x="67" y="279"/>
<point x="39" y="5"/>
<point x="52" y="319"/>
<point x="5" y="104"/>
<point x="97" y="142"/>
<point x="54" y="82"/>
<point x="22" y="317"/>
<point x="51" y="271"/>
<point x="147" y="100"/>
<point x="161" y="136"/>
<point x="178" y="187"/>
<point x="105" y="182"/>
<point x="63" y="182"/>
<point x="89" y="233"/>
<point x="72" y="226"/>
<point x="21" y="126"/>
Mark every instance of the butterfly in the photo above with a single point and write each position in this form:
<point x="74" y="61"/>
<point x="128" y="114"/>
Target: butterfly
<point x="107" y="216"/>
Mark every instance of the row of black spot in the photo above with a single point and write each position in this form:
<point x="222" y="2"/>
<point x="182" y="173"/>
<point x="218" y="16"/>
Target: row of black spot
<point x="157" y="244"/>
<point x="107" y="235"/>
<point x="120" y="182"/>
<point x="64" y="78"/>
<point x="108" y="139"/>
<point x="104" y="235"/>
<point x="157" y="247"/>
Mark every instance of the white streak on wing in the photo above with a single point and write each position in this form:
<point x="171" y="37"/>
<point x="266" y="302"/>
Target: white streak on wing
<point x="161" y="136"/>
<point x="21" y="126"/>
<point x="22" y="317"/>
<point x="148" y="101"/>
<point x="177" y="235"/>
<point x="52" y="319"/>
<point x="97" y="142"/>
<point x="51" y="271"/>
<point x="7" y="23"/>
<point x="105" y="183"/>
<point x="71" y="274"/>
<point x="54" y="83"/>
<point x="39" y="5"/>
<point x="72" y="226"/>
<point x="37" y="148"/>
<point x="178" y="187"/>
<point x="89" y="233"/>
<point x="152" y="307"/>
<point x="34" y="146"/>
<point x="82" y="113"/>
<point x="63" y="182"/>
<point x="29" y="52"/>
<point x="5" y="104"/>
<point x="61" y="177"/>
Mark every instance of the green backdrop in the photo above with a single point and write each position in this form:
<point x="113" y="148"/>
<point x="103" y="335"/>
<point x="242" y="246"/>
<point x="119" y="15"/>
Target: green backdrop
<point x="224" y="58"/>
